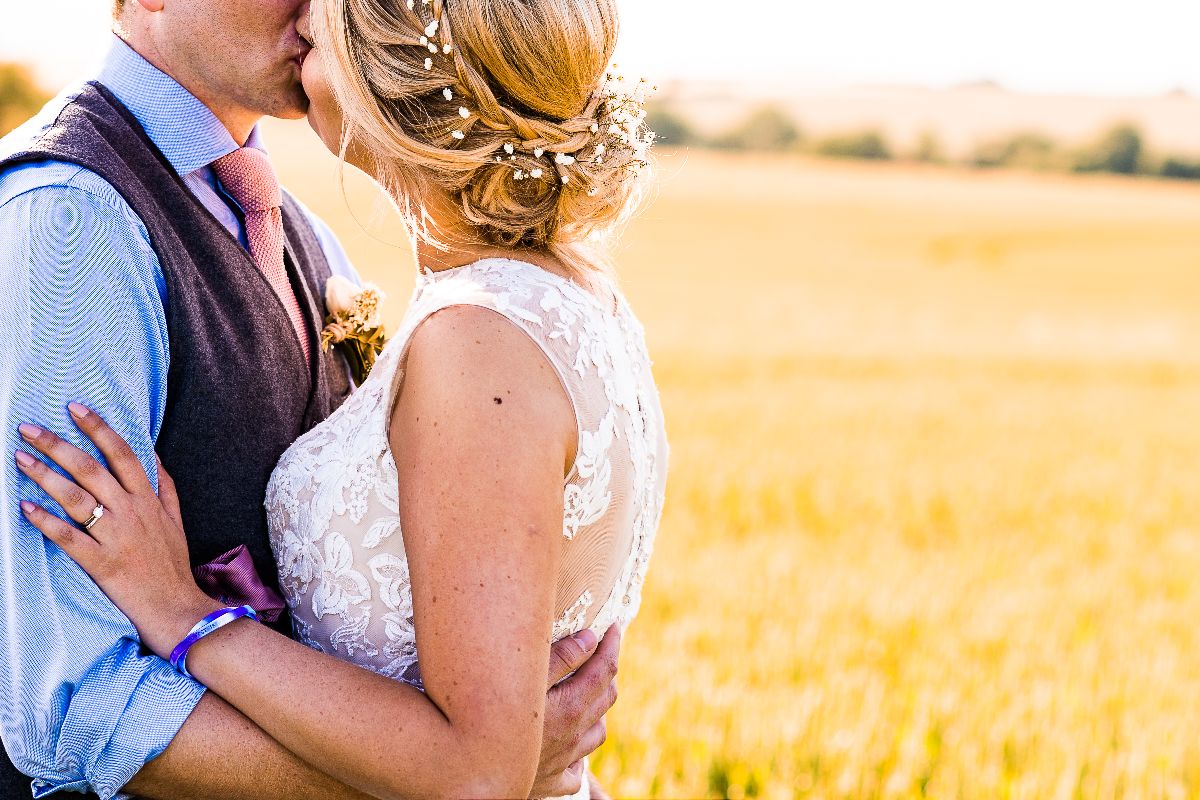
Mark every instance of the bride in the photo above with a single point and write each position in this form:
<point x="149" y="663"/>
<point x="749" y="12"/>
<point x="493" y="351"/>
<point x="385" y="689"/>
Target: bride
<point x="496" y="482"/>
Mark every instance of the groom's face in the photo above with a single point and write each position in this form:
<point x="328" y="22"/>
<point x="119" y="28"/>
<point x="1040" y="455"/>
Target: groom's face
<point x="241" y="53"/>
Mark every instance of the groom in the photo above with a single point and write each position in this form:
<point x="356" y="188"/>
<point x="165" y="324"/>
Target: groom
<point x="152" y="268"/>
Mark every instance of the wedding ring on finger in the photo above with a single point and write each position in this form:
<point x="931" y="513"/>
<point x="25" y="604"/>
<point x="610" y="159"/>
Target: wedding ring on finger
<point x="94" y="518"/>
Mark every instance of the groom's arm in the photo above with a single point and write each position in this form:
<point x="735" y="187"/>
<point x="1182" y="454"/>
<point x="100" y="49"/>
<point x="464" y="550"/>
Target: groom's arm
<point x="83" y="316"/>
<point x="221" y="755"/>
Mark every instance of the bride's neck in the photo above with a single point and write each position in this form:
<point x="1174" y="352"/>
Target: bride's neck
<point x="458" y="254"/>
<point x="461" y="247"/>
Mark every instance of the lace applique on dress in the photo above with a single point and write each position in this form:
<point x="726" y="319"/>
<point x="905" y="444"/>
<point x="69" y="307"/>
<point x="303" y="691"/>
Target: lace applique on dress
<point x="571" y="621"/>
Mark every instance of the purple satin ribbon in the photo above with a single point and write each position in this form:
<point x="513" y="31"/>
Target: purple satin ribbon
<point x="233" y="580"/>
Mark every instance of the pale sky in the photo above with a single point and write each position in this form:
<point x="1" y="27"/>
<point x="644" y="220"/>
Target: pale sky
<point x="1057" y="46"/>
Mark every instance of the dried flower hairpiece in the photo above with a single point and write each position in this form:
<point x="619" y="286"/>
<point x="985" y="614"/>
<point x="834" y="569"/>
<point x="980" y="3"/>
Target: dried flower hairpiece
<point x="625" y="115"/>
<point x="622" y="135"/>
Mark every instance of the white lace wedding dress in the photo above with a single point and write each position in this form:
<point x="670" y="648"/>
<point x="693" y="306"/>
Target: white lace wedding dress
<point x="332" y="502"/>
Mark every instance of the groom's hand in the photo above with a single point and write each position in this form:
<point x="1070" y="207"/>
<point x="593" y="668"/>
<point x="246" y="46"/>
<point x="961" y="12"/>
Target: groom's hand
<point x="575" y="709"/>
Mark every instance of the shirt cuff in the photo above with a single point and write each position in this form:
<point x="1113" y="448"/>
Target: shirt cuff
<point x="161" y="702"/>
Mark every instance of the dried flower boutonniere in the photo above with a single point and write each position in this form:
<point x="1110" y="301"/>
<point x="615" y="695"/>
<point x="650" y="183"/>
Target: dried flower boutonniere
<point x="353" y="324"/>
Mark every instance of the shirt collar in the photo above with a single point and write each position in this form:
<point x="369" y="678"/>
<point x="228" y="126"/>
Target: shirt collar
<point x="183" y="128"/>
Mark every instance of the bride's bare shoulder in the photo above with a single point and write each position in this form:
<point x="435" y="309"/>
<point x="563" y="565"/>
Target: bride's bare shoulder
<point x="471" y="371"/>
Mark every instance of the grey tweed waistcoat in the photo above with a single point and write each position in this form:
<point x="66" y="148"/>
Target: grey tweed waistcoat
<point x="238" y="389"/>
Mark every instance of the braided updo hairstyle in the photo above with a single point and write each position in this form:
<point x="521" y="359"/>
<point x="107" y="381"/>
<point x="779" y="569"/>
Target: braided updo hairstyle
<point x="501" y="105"/>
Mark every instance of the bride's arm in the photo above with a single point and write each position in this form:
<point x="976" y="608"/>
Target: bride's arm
<point x="483" y="433"/>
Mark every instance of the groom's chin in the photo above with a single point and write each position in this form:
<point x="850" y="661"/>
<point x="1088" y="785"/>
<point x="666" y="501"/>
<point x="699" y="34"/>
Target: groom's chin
<point x="294" y="113"/>
<point x="296" y="106"/>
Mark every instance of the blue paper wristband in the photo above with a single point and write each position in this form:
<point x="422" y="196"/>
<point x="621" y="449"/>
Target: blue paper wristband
<point x="213" y="622"/>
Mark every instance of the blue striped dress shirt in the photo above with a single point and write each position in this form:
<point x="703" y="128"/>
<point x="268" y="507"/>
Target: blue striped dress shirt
<point x="83" y="300"/>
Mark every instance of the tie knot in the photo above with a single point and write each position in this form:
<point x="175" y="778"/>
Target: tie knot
<point x="250" y="179"/>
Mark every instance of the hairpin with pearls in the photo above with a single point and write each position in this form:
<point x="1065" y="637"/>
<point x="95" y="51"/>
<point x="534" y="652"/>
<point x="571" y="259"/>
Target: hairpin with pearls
<point x="429" y="41"/>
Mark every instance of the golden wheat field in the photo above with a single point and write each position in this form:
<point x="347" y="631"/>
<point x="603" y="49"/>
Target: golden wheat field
<point x="933" y="525"/>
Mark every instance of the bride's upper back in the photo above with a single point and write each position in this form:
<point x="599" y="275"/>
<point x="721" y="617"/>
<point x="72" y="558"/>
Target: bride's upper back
<point x="613" y="492"/>
<point x="333" y="500"/>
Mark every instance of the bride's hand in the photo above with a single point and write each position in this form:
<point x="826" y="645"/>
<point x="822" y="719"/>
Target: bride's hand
<point x="136" y="552"/>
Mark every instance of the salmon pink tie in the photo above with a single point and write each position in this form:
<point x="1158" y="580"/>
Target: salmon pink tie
<point x="250" y="179"/>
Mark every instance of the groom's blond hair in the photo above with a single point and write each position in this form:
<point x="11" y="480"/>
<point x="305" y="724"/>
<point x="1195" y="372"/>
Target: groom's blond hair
<point x="498" y="104"/>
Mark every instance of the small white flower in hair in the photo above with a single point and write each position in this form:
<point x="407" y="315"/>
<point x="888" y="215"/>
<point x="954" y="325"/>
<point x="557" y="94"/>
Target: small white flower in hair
<point x="459" y="135"/>
<point x="432" y="28"/>
<point x="538" y="153"/>
<point x="424" y="41"/>
<point x="446" y="48"/>
<point x="537" y="173"/>
<point x="508" y="148"/>
<point x="593" y="192"/>
<point x="428" y="63"/>
<point x="595" y="128"/>
<point x="518" y="175"/>
<point x="432" y="47"/>
<point x="411" y="3"/>
<point x="566" y="179"/>
<point x="563" y="158"/>
<point x="464" y="112"/>
<point x="601" y="150"/>
<point x="448" y="94"/>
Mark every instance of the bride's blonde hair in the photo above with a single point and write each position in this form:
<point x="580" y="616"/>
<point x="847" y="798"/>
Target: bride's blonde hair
<point x="500" y="105"/>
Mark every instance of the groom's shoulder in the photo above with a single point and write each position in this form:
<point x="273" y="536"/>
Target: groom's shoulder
<point x="41" y="178"/>
<point x="30" y="132"/>
<point x="48" y="176"/>
<point x="52" y="210"/>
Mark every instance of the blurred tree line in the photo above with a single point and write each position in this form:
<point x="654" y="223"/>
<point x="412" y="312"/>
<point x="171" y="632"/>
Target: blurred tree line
<point x="1121" y="150"/>
<point x="20" y="96"/>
